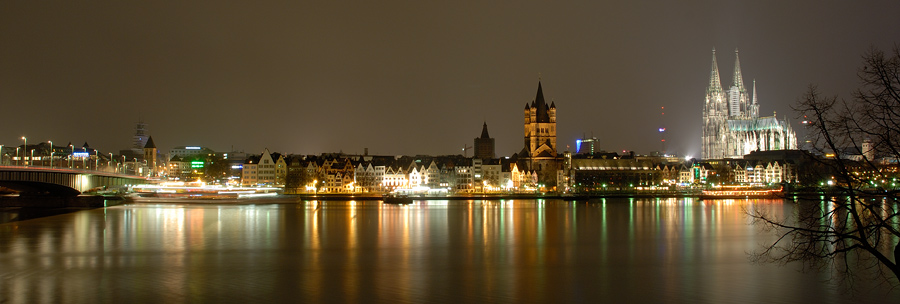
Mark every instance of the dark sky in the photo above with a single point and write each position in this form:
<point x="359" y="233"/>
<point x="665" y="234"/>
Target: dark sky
<point x="410" y="77"/>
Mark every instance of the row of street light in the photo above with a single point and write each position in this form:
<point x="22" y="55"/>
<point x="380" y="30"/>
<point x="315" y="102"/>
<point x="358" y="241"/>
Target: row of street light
<point x="71" y="162"/>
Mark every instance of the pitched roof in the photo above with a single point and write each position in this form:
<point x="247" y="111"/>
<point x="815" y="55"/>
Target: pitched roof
<point x="252" y="159"/>
<point x="150" y="144"/>
<point x="484" y="131"/>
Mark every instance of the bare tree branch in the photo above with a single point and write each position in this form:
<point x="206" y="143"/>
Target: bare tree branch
<point x="858" y="221"/>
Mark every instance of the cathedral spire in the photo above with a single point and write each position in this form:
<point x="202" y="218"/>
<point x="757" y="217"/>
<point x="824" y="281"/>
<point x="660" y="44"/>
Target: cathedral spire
<point x="754" y="91"/>
<point x="715" y="84"/>
<point x="754" y="106"/>
<point x="738" y="79"/>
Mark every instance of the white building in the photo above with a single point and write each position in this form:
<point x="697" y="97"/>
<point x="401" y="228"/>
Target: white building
<point x="265" y="169"/>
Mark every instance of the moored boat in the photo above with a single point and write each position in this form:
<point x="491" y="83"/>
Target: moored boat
<point x="396" y="199"/>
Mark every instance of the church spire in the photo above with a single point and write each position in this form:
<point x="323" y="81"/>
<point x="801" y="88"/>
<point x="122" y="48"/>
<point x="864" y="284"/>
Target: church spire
<point x="715" y="85"/>
<point x="541" y="105"/>
<point x="754" y="106"/>
<point x="738" y="79"/>
<point x="484" y="132"/>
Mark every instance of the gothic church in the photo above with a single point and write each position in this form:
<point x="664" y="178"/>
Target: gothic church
<point x="732" y="127"/>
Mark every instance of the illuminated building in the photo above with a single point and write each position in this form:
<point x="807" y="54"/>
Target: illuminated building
<point x="587" y="143"/>
<point x="190" y="151"/>
<point x="540" y="127"/>
<point x="732" y="127"/>
<point x="178" y="167"/>
<point x="597" y="174"/>
<point x="265" y="169"/>
<point x="539" y="153"/>
<point x="522" y="179"/>
<point x="761" y="172"/>
<point x="418" y="174"/>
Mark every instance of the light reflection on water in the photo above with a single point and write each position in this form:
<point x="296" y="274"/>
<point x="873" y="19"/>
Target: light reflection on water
<point x="634" y="250"/>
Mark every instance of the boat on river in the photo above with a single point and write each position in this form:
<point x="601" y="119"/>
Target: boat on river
<point x="736" y="192"/>
<point x="397" y="199"/>
<point x="201" y="192"/>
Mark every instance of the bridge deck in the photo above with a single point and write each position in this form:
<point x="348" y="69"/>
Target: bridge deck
<point x="61" y="181"/>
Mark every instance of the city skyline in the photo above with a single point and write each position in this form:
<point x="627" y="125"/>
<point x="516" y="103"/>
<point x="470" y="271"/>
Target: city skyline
<point x="409" y="79"/>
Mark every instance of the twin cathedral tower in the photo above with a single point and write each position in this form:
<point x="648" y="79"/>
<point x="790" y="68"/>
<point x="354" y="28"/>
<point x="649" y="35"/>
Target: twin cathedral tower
<point x="732" y="127"/>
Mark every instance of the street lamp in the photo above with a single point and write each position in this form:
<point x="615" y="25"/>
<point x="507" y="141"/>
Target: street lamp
<point x="51" y="154"/>
<point x="71" y="161"/>
<point x="17" y="156"/>
<point x="25" y="148"/>
<point x="1" y="155"/>
<point x="32" y="157"/>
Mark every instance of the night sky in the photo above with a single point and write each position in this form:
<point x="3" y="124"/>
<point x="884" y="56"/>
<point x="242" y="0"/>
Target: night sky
<point x="410" y="77"/>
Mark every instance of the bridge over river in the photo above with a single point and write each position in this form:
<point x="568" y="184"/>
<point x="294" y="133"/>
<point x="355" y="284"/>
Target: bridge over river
<point x="35" y="180"/>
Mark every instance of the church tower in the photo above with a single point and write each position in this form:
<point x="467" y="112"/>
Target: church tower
<point x="540" y="127"/>
<point x="484" y="145"/>
<point x="150" y="154"/>
<point x="540" y="153"/>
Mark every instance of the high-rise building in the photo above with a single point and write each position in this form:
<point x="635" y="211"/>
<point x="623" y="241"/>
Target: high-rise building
<point x="140" y="138"/>
<point x="484" y="145"/>
<point x="588" y="144"/>
<point x="732" y="127"/>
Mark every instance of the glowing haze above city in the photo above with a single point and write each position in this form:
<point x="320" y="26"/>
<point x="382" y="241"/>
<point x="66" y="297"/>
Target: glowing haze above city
<point x="414" y="77"/>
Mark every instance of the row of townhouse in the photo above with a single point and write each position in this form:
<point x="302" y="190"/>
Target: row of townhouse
<point x="337" y="173"/>
<point x="759" y="172"/>
<point x="733" y="172"/>
<point x="614" y="173"/>
<point x="264" y="169"/>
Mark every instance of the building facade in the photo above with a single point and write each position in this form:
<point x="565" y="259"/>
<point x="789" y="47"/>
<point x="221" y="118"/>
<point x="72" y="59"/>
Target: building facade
<point x="540" y="151"/>
<point x="265" y="169"/>
<point x="732" y="126"/>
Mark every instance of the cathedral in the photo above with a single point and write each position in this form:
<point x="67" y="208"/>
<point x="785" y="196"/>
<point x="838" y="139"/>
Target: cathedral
<point x="732" y="127"/>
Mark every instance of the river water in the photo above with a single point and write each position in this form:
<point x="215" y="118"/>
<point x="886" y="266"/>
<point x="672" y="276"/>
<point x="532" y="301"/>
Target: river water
<point x="612" y="250"/>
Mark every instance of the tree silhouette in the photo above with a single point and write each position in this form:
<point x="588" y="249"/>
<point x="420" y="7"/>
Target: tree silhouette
<point x="851" y="222"/>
